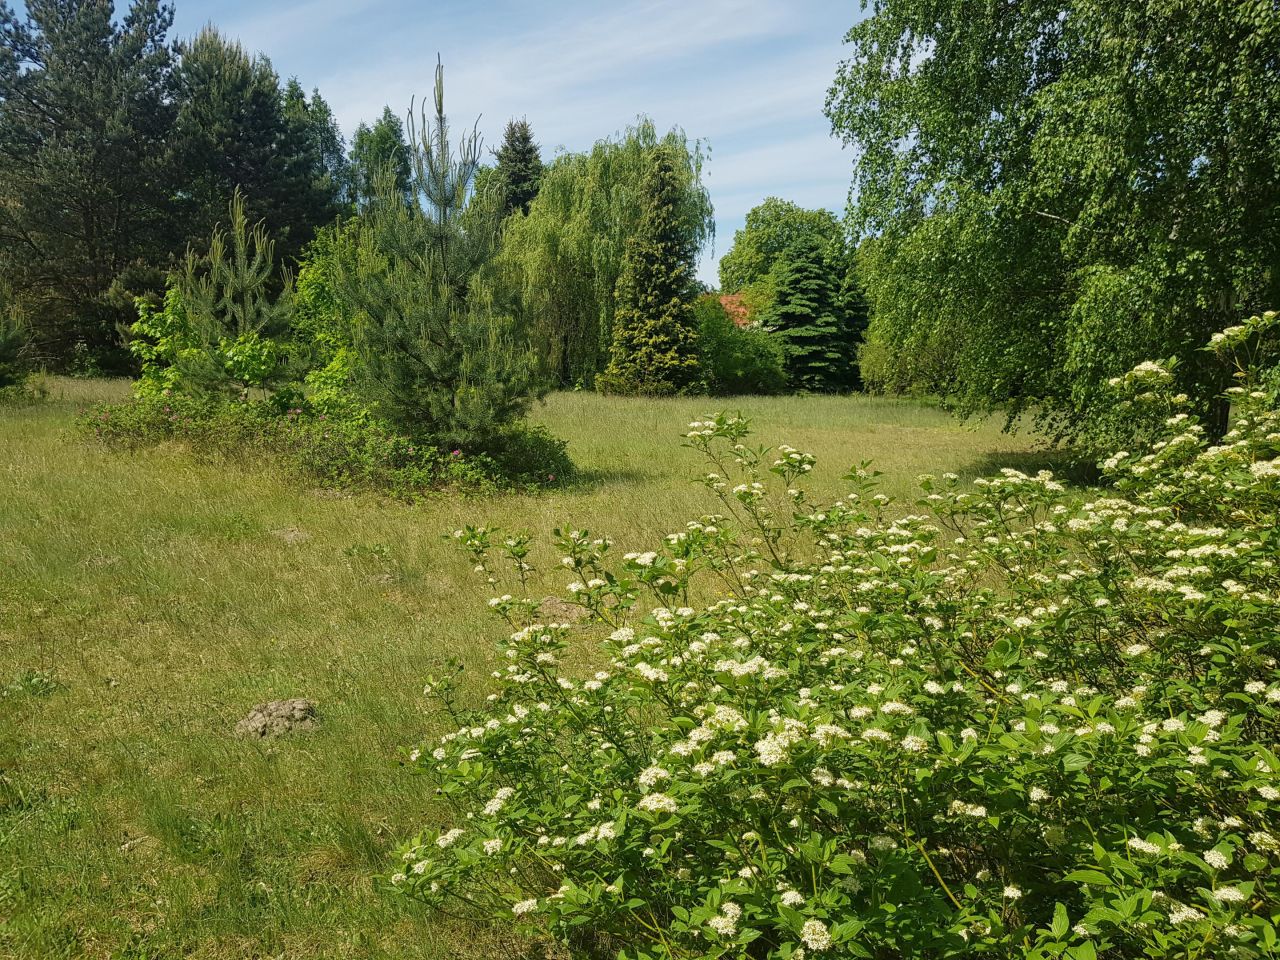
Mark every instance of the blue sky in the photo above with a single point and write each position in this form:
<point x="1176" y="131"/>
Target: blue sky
<point x="747" y="76"/>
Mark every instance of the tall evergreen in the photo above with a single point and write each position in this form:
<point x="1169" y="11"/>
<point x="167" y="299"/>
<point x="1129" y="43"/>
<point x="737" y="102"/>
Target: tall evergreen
<point x="655" y="350"/>
<point x="85" y="115"/>
<point x="808" y="315"/>
<point x="519" y="165"/>
<point x="316" y="154"/>
<point x="377" y="149"/>
<point x="430" y="354"/>
<point x="237" y="129"/>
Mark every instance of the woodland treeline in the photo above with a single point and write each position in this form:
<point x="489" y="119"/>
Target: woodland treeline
<point x="1043" y="195"/>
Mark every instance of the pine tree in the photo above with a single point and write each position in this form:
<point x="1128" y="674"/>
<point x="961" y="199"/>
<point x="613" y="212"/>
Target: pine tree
<point x="375" y="150"/>
<point x="808" y="316"/>
<point x="519" y="166"/>
<point x="432" y="355"/>
<point x="655" y="350"/>
<point x="85" y="185"/>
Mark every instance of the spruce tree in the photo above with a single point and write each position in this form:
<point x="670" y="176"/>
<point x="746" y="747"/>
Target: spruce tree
<point x="655" y="350"/>
<point x="519" y="166"/>
<point x="808" y="316"/>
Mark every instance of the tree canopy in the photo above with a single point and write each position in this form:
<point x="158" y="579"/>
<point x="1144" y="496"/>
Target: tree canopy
<point x="374" y="149"/>
<point x="237" y="128"/>
<point x="118" y="149"/>
<point x="770" y="228"/>
<point x="85" y="115"/>
<point x="1047" y="193"/>
<point x="561" y="261"/>
<point x="519" y="165"/>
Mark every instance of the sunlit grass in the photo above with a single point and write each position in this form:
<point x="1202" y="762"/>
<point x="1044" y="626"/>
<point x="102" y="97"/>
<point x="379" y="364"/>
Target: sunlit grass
<point x="163" y="597"/>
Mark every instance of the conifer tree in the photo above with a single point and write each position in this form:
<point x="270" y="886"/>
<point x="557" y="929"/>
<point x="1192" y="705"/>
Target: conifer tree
<point x="376" y="149"/>
<point x="431" y="354"/>
<point x="519" y="166"/>
<point x="654" y="350"/>
<point x="808" y="316"/>
<point x="85" y="119"/>
<point x="237" y="128"/>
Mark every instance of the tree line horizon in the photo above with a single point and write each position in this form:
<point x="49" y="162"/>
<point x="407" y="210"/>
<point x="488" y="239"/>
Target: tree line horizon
<point x="1103" y="188"/>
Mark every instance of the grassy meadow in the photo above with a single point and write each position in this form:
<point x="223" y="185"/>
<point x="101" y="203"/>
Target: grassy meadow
<point x="149" y="600"/>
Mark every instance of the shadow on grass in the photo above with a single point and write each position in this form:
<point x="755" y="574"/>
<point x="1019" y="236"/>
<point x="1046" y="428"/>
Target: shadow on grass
<point x="595" y="478"/>
<point x="1069" y="465"/>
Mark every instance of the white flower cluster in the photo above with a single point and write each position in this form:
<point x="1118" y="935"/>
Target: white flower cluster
<point x="986" y="696"/>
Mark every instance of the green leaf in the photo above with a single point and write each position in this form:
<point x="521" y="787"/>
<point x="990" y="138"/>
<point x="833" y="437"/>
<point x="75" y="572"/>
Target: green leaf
<point x="1061" y="921"/>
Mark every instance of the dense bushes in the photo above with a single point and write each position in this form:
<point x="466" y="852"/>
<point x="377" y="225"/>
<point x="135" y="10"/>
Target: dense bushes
<point x="733" y="359"/>
<point x="1011" y="720"/>
<point x="331" y="452"/>
<point x="13" y="342"/>
<point x="385" y="365"/>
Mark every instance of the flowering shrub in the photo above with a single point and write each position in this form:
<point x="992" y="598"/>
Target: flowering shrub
<point x="1012" y="720"/>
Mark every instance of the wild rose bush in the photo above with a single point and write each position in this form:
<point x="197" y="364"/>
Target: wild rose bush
<point x="1011" y="720"/>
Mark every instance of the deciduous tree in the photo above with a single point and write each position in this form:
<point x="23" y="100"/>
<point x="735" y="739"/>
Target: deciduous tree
<point x="1051" y="192"/>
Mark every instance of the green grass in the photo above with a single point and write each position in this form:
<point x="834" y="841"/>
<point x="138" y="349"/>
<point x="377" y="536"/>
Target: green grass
<point x="149" y="600"/>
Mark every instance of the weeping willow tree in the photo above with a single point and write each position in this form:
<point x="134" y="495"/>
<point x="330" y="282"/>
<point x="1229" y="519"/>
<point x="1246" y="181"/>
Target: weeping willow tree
<point x="432" y="355"/>
<point x="561" y="261"/>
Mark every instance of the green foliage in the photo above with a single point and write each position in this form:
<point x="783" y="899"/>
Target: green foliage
<point x="561" y="262"/>
<point x="376" y="149"/>
<point x="317" y="151"/>
<point x="736" y="360"/>
<point x="13" y="345"/>
<point x="525" y="455"/>
<point x="771" y="227"/>
<point x="519" y="166"/>
<point x="85" y="114"/>
<point x="237" y="129"/>
<point x="322" y="326"/>
<point x="222" y="327"/>
<point x="1007" y="720"/>
<point x="1049" y="193"/>
<point x="809" y="318"/>
<point x="430" y="354"/>
<point x="331" y="452"/>
<point x="654" y="350"/>
<point x="120" y="152"/>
